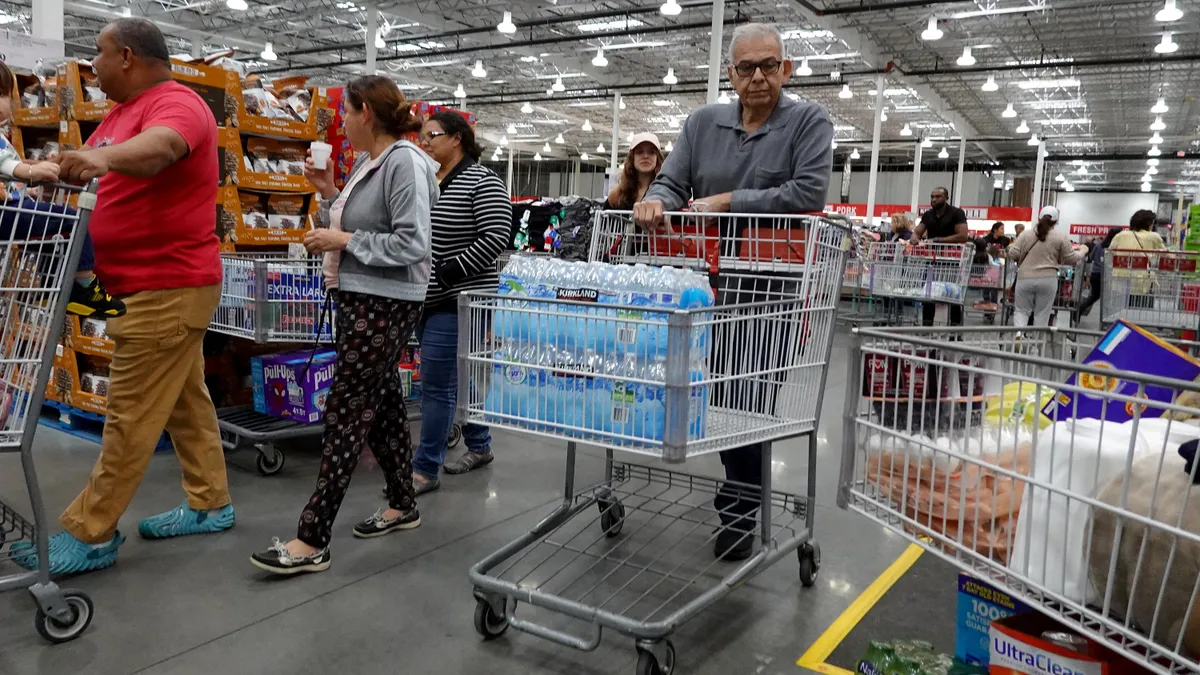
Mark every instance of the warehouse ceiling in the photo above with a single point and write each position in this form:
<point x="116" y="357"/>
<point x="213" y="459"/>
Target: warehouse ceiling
<point x="1081" y="75"/>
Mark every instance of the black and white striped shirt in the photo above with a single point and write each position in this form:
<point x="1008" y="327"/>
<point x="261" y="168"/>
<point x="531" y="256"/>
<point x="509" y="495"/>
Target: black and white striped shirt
<point x="471" y="223"/>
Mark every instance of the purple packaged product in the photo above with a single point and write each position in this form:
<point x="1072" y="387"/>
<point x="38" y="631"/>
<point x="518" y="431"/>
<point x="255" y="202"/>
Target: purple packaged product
<point x="287" y="386"/>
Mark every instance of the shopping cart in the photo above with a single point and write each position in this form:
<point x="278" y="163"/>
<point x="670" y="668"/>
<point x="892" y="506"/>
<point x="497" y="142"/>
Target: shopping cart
<point x="993" y="281"/>
<point x="644" y="570"/>
<point x="276" y="298"/>
<point x="1154" y="289"/>
<point x="36" y="275"/>
<point x="1073" y="283"/>
<point x="979" y="445"/>
<point x="923" y="272"/>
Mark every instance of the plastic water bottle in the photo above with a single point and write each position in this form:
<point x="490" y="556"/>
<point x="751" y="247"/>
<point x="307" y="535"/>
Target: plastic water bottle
<point x="547" y="407"/>
<point x="590" y="395"/>
<point x="656" y="399"/>
<point x="697" y="399"/>
<point x="623" y="402"/>
<point x="526" y="382"/>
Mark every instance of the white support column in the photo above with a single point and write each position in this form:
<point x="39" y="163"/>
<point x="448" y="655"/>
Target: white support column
<point x="1035" y="200"/>
<point x="511" y="151"/>
<point x="48" y="19"/>
<point x="578" y="175"/>
<point x="616" y="135"/>
<point x="372" y="29"/>
<point x="916" y="185"/>
<point x="197" y="45"/>
<point x="872" y="183"/>
<point x="962" y="165"/>
<point x="714" y="49"/>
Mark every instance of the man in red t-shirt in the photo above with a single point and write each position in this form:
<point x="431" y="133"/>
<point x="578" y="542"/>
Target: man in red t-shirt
<point x="155" y="154"/>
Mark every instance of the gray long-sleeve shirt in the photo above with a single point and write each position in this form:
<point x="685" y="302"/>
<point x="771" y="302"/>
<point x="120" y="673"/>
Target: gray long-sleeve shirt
<point x="783" y="167"/>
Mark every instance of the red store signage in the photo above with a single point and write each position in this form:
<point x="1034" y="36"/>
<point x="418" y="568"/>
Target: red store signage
<point x="993" y="213"/>
<point x="1091" y="230"/>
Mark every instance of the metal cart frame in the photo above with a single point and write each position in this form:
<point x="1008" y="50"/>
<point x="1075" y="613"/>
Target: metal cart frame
<point x="563" y="549"/>
<point x="1154" y="289"/>
<point x="36" y="276"/>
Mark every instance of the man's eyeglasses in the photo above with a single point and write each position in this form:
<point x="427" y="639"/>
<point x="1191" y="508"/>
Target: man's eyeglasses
<point x="747" y="68"/>
<point x="428" y="137"/>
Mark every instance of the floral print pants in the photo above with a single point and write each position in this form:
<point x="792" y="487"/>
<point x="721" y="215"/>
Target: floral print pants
<point x="365" y="406"/>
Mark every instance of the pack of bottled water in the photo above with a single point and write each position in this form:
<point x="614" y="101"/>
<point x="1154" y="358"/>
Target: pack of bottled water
<point x="596" y="365"/>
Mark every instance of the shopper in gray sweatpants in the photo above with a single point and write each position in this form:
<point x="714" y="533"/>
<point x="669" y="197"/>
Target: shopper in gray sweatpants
<point x="1039" y="253"/>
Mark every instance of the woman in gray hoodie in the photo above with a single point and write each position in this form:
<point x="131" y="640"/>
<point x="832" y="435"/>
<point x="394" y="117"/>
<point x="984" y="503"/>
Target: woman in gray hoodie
<point x="375" y="235"/>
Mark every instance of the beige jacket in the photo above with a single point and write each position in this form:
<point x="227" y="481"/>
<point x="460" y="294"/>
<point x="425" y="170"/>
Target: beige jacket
<point x="1042" y="258"/>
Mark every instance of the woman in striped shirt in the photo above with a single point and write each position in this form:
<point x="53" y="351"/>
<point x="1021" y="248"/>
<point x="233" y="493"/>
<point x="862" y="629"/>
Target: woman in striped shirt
<point x="471" y="224"/>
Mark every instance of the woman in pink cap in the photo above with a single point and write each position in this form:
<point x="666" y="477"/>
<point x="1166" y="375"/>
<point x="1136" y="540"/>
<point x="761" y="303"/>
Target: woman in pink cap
<point x="641" y="166"/>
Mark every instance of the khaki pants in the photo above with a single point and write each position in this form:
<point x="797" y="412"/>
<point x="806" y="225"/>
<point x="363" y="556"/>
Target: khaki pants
<point x="156" y="382"/>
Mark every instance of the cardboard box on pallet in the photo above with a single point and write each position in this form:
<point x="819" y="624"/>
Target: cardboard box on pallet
<point x="293" y="385"/>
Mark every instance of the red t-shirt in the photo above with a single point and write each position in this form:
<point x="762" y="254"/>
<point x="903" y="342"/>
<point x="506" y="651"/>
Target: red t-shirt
<point x="160" y="232"/>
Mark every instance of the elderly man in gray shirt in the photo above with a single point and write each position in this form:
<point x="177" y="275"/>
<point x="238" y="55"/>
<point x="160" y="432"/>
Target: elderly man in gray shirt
<point x="765" y="155"/>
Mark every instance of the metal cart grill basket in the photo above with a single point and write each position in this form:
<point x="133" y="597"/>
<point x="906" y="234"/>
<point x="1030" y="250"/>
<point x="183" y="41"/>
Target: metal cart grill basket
<point x="39" y="253"/>
<point x="666" y="384"/>
<point x="1155" y="289"/>
<point x="1059" y="482"/>
<point x="925" y="272"/>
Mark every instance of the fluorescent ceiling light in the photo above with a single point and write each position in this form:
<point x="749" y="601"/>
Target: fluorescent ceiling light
<point x="547" y="149"/>
<point x="268" y="54"/>
<point x="663" y="103"/>
<point x="1067" y="120"/>
<point x="504" y="140"/>
<point x="855" y="155"/>
<point x="907" y="108"/>
<point x="990" y="85"/>
<point x="1169" y="13"/>
<point x="1009" y="111"/>
<point x="512" y="130"/>
<point x="460" y="92"/>
<point x="670" y="146"/>
<point x="802" y="34"/>
<point x="967" y="59"/>
<point x="673" y="123"/>
<point x="906" y="131"/>
<point x="558" y="85"/>
<point x="239" y="5"/>
<point x="584" y="157"/>
<point x="1146" y="178"/>
<point x="1167" y="46"/>
<point x="1060" y="178"/>
<point x="1158" y="124"/>
<point x="1069" y="188"/>
<point x="1052" y="104"/>
<point x="615" y="24"/>
<point x="804" y="70"/>
<point x="1160" y="108"/>
<point x="834" y="144"/>
<point x="506" y="25"/>
<point x="600" y="61"/>
<point x="587" y="104"/>
<point x="1152" y="162"/>
<point x="931" y="32"/>
<point x="845" y="92"/>
<point x="670" y="8"/>
<point x="1154" y="151"/>
<point x="1156" y="139"/>
<point x="832" y="56"/>
<point x="670" y="78"/>
<point x="622" y="106"/>
<point x="560" y="140"/>
<point x="600" y="148"/>
<point x="537" y="156"/>
<point x="1153" y="171"/>
<point x="648" y="44"/>
<point x="1082" y="171"/>
<point x="1022" y="128"/>
<point x="587" y="126"/>
<point x="1033" y="140"/>
<point x="1049" y="84"/>
<point x="478" y="70"/>
<point x="944" y="154"/>
<point x="927" y="143"/>
<point x="972" y="14"/>
<point x="1145" y="187"/>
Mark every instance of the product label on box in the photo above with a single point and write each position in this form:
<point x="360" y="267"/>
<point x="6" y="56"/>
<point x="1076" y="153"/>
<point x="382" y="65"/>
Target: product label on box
<point x="287" y="386"/>
<point x="1013" y="654"/>
<point x="979" y="604"/>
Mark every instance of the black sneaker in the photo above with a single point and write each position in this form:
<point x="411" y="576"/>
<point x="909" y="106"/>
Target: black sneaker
<point x="93" y="300"/>
<point x="469" y="460"/>
<point x="377" y="525"/>
<point x="277" y="560"/>
<point x="733" y="544"/>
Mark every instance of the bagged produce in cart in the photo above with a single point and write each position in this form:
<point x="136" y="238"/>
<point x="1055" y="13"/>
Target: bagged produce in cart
<point x="904" y="657"/>
<point x="1018" y="404"/>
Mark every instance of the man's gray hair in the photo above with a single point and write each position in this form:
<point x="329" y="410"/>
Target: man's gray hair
<point x="750" y="31"/>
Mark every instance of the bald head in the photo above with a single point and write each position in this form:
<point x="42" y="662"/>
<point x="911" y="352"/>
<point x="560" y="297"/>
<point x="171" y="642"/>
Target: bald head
<point x="131" y="56"/>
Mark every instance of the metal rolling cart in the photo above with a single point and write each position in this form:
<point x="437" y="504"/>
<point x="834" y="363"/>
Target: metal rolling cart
<point x="938" y="273"/>
<point x="276" y="298"/>
<point x="1055" y="481"/>
<point x="36" y="275"/>
<point x="649" y="565"/>
<point x="1158" y="290"/>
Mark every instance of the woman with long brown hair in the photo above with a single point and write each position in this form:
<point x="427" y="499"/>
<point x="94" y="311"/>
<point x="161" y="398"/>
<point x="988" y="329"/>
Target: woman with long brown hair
<point x="641" y="166"/>
<point x="1039" y="253"/>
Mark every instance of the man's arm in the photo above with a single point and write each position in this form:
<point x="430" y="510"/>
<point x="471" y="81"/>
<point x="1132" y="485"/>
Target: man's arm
<point x="673" y="185"/>
<point x="919" y="233"/>
<point x="812" y="148"/>
<point x="174" y="128"/>
<point x="147" y="154"/>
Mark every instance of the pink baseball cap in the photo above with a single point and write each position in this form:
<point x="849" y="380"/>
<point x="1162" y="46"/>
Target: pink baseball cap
<point x="644" y="137"/>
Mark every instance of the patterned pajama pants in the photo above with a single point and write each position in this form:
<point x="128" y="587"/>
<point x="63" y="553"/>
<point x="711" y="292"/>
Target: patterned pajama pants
<point x="365" y="406"/>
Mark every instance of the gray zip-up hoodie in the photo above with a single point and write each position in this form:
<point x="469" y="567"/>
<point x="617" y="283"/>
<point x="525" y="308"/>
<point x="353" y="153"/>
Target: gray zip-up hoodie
<point x="388" y="214"/>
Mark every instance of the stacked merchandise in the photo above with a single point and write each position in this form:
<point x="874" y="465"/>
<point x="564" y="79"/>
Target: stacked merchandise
<point x="595" y="367"/>
<point x="909" y="657"/>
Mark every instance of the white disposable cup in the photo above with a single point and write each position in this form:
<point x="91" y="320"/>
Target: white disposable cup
<point x="320" y="154"/>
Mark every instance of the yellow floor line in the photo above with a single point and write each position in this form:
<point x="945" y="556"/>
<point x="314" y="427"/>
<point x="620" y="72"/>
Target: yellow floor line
<point x="814" y="658"/>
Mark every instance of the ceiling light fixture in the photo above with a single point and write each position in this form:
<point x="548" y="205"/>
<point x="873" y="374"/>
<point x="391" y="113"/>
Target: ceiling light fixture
<point x="855" y="155"/>
<point x="622" y="104"/>
<point x="906" y="131"/>
<point x="1156" y="139"/>
<point x="1158" y="124"/>
<point x="1153" y="171"/>
<point x="559" y="139"/>
<point x="1152" y="162"/>
<point x="600" y="148"/>
<point x="1022" y="128"/>
<point x="527" y="109"/>
<point x="239" y="5"/>
<point x="1146" y="178"/>
<point x="380" y="43"/>
<point x="805" y="70"/>
<point x="1169" y="13"/>
<point x="991" y="85"/>
<point x="460" y="92"/>
<point x="670" y="146"/>
<point x="845" y="92"/>
<point x="1082" y="171"/>
<point x="1060" y="178"/>
<point x="833" y="144"/>
<point x="1145" y="187"/>
<point x="537" y="157"/>
<point x="931" y="32"/>
<point x="1033" y="140"/>
<point x="1154" y="151"/>
<point x="504" y="140"/>
<point x="723" y="98"/>
<point x="268" y="54"/>
<point x="1049" y="84"/>
<point x="1069" y="188"/>
<point x="670" y="8"/>
<point x="512" y="130"/>
<point x="584" y="157"/>
<point x="967" y="59"/>
<point x="558" y="85"/>
<point x="1167" y="46"/>
<point x="1009" y="111"/>
<point x="883" y="115"/>
<point x="927" y="143"/>
<point x="600" y="61"/>
<point x="1077" y="162"/>
<point x="478" y="70"/>
<point x="944" y="154"/>
<point x="506" y="25"/>
<point x="1160" y="108"/>
<point x="587" y="125"/>
<point x="547" y="149"/>
<point x="670" y="78"/>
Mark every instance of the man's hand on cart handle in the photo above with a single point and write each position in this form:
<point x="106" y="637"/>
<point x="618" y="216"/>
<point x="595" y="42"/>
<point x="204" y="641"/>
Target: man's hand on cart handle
<point x="649" y="215"/>
<point x="714" y="204"/>
<point x="82" y="165"/>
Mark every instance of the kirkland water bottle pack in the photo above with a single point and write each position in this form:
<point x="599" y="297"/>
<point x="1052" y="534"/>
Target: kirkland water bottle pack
<point x="546" y="355"/>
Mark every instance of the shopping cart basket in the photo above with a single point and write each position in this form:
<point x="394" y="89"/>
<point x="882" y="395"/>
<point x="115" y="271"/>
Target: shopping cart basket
<point x="925" y="272"/>
<point x="1155" y="289"/>
<point x="750" y="369"/>
<point x="272" y="298"/>
<point x="1055" y="481"/>
<point x="36" y="275"/>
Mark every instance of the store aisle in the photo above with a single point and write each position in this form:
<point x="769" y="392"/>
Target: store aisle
<point x="403" y="603"/>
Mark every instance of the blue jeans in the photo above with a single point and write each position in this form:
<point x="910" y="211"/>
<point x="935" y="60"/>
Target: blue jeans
<point x="438" y="335"/>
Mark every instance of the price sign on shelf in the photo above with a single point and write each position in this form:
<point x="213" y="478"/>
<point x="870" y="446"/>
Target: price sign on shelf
<point x="25" y="51"/>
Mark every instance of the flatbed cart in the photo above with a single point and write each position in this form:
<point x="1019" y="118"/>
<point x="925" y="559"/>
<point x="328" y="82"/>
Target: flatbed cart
<point x="749" y="369"/>
<point x="276" y="298"/>
<point x="902" y="271"/>
<point x="1155" y="289"/>
<point x="36" y="276"/>
<point x="1057" y="482"/>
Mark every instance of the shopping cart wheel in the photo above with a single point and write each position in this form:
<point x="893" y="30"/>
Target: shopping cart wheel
<point x="661" y="664"/>
<point x="455" y="436"/>
<point x="270" y="460"/>
<point x="810" y="563"/>
<point x="81" y="617"/>
<point x="612" y="515"/>
<point x="487" y="623"/>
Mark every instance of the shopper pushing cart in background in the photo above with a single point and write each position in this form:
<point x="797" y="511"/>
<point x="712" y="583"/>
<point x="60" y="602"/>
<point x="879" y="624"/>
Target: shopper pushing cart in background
<point x="942" y="224"/>
<point x="155" y="154"/>
<point x="767" y="154"/>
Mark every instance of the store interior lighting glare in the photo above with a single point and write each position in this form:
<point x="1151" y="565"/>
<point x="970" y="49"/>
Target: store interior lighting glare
<point x="1160" y="108"/>
<point x="670" y="78"/>
<point x="1169" y="13"/>
<point x="1022" y="128"/>
<point x="944" y="154"/>
<point x="670" y="8"/>
<point x="584" y="157"/>
<point x="1154" y="151"/>
<point x="1153" y="161"/>
<point x="622" y="106"/>
<point x="1145" y="187"/>
<point x="527" y="109"/>
<point x="239" y="5"/>
<point x="967" y="58"/>
<point x="1158" y="124"/>
<point x="1156" y="139"/>
<point x="927" y="143"/>
<point x="503" y="140"/>
<point x="1009" y="111"/>
<point x="723" y="98"/>
<point x="559" y="139"/>
<point x="537" y="157"/>
<point x="600" y="148"/>
<point x="855" y="155"/>
<point x="1069" y="188"/>
<point x="600" y="61"/>
<point x="931" y="32"/>
<point x="845" y="92"/>
<point x="268" y="54"/>
<point x="804" y="70"/>
<point x="833" y="144"/>
<point x="1033" y="140"/>
<point x="460" y="92"/>
<point x="506" y="25"/>
<point x="906" y="131"/>
<point x="587" y="125"/>
<point x="991" y="85"/>
<point x="512" y="129"/>
<point x="1082" y="171"/>
<point x="1167" y="46"/>
<point x="1153" y="171"/>
<point x="1060" y="178"/>
<point x="558" y="85"/>
<point x="478" y="70"/>
<point x="670" y="146"/>
<point x="547" y="149"/>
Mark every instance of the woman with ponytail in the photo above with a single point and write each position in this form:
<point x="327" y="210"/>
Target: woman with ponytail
<point x="471" y="225"/>
<point x="1039" y="253"/>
